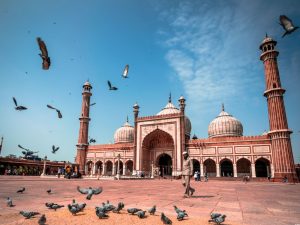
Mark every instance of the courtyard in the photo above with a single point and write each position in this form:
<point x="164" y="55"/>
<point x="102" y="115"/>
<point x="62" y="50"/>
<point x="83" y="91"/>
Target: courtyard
<point x="258" y="203"/>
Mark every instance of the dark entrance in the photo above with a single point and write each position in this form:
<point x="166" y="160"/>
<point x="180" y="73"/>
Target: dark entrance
<point x="226" y="169"/>
<point x="165" y="165"/>
<point x="261" y="167"/>
<point x="196" y="166"/>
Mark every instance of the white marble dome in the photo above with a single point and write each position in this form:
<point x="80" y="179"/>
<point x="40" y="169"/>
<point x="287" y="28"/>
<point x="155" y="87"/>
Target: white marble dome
<point x="225" y="125"/>
<point x="171" y="109"/>
<point x="124" y="134"/>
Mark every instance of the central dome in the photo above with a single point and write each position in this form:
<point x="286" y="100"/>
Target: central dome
<point x="225" y="125"/>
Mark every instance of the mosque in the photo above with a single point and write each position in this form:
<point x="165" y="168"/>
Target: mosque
<point x="154" y="144"/>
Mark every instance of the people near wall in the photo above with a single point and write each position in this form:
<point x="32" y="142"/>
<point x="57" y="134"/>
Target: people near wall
<point x="59" y="172"/>
<point x="196" y="175"/>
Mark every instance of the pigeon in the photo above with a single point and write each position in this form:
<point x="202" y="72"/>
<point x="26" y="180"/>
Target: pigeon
<point x="92" y="140"/>
<point x="18" y="107"/>
<point x="89" y="191"/>
<point x="53" y="206"/>
<point x="9" y="202"/>
<point x="54" y="149"/>
<point x="119" y="207"/>
<point x="58" y="111"/>
<point x="108" y="207"/>
<point x="178" y="210"/>
<point x="101" y="214"/>
<point x="133" y="210"/>
<point x="111" y="88"/>
<point x="141" y="214"/>
<point x="218" y="220"/>
<point x="165" y="219"/>
<point x="93" y="104"/>
<point x="44" y="55"/>
<point x="28" y="215"/>
<point x="125" y="72"/>
<point x="42" y="220"/>
<point x="49" y="191"/>
<point x="21" y="190"/>
<point x="181" y="215"/>
<point x="215" y="215"/>
<point x="74" y="210"/>
<point x="287" y="25"/>
<point x="152" y="210"/>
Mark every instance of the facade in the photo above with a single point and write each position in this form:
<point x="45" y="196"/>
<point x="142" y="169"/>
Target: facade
<point x="154" y="144"/>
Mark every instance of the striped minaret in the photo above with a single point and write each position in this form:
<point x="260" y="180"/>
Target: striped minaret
<point x="84" y="119"/>
<point x="282" y="155"/>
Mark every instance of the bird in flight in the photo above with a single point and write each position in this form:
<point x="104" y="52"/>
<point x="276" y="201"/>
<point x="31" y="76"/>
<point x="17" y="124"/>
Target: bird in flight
<point x="92" y="140"/>
<point x="18" y="107"/>
<point x="112" y="88"/>
<point x="54" y="149"/>
<point x="57" y="110"/>
<point x="125" y="72"/>
<point x="287" y="25"/>
<point x="44" y="55"/>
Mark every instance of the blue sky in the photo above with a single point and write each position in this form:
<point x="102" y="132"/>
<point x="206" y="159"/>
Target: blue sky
<point x="207" y="51"/>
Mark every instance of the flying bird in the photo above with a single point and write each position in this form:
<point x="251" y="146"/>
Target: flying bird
<point x="58" y="111"/>
<point x="287" y="25"/>
<point x="89" y="191"/>
<point x="44" y="55"/>
<point x="42" y="220"/>
<point x="125" y="72"/>
<point x="21" y="190"/>
<point x="54" y="149"/>
<point x="111" y="88"/>
<point x="92" y="140"/>
<point x="18" y="107"/>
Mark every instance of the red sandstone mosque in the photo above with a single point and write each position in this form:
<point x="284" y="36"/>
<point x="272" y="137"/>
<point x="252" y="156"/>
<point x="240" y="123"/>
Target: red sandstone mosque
<point x="154" y="144"/>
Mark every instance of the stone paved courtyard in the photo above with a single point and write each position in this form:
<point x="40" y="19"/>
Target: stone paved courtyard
<point x="256" y="203"/>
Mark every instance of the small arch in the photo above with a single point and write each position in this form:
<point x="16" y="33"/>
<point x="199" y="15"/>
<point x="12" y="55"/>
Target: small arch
<point x="129" y="167"/>
<point x="120" y="169"/>
<point x="209" y="167"/>
<point x="262" y="167"/>
<point x="89" y="167"/>
<point x="226" y="168"/>
<point x="99" y="167"/>
<point x="269" y="47"/>
<point x="243" y="167"/>
<point x="274" y="85"/>
<point x="265" y="48"/>
<point x="196" y="165"/>
<point x="109" y="167"/>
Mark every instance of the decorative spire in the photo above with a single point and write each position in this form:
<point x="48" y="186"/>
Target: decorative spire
<point x="266" y="35"/>
<point x="127" y="119"/>
<point x="170" y="98"/>
<point x="223" y="107"/>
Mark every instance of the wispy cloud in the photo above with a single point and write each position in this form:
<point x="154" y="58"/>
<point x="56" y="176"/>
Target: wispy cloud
<point x="210" y="47"/>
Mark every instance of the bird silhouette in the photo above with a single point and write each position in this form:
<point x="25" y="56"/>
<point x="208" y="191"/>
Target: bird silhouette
<point x="133" y="210"/>
<point x="218" y="220"/>
<point x="49" y="191"/>
<point x="28" y="215"/>
<point x="92" y="140"/>
<point x="125" y="71"/>
<point x="18" y="107"/>
<point x="287" y="25"/>
<point x="165" y="219"/>
<point x="152" y="210"/>
<point x="42" y="220"/>
<point x="21" y="190"/>
<point x="54" y="149"/>
<point x="57" y="110"/>
<point x="44" y="55"/>
<point x="89" y="191"/>
<point x="111" y="88"/>
<point x="9" y="202"/>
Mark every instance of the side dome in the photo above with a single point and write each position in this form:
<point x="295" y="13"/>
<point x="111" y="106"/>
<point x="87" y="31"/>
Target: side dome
<point x="225" y="125"/>
<point x="124" y="134"/>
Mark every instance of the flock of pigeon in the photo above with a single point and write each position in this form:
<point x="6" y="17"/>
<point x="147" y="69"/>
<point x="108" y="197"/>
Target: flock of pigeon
<point x="101" y="211"/>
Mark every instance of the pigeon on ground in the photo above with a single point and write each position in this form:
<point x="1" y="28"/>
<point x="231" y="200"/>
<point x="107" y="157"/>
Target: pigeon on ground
<point x="54" y="149"/>
<point x="49" y="191"/>
<point x="125" y="72"/>
<point x="141" y="214"/>
<point x="181" y="215"/>
<point x="44" y="54"/>
<point x="101" y="214"/>
<point x="28" y="215"/>
<point x="218" y="220"/>
<point x="111" y="88"/>
<point x="53" y="206"/>
<point x="165" y="219"/>
<point x="42" y="220"/>
<point x="89" y="191"/>
<point x="287" y="25"/>
<point x="152" y="210"/>
<point x="133" y="210"/>
<point x="108" y="207"/>
<point x="78" y="206"/>
<point x="119" y="207"/>
<point x="215" y="215"/>
<point x="178" y="210"/>
<point x="9" y="202"/>
<point x="21" y="190"/>
<point x="57" y="110"/>
<point x="18" y="107"/>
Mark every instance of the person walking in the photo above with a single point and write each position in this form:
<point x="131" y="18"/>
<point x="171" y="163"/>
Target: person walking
<point x="187" y="172"/>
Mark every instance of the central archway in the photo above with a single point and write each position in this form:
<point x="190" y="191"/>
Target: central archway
<point x="164" y="163"/>
<point x="226" y="168"/>
<point x="154" y="145"/>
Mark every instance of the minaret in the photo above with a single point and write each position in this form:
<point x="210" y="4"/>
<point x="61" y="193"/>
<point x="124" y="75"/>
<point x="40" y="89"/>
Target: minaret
<point x="282" y="155"/>
<point x="136" y="114"/>
<point x="84" y="127"/>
